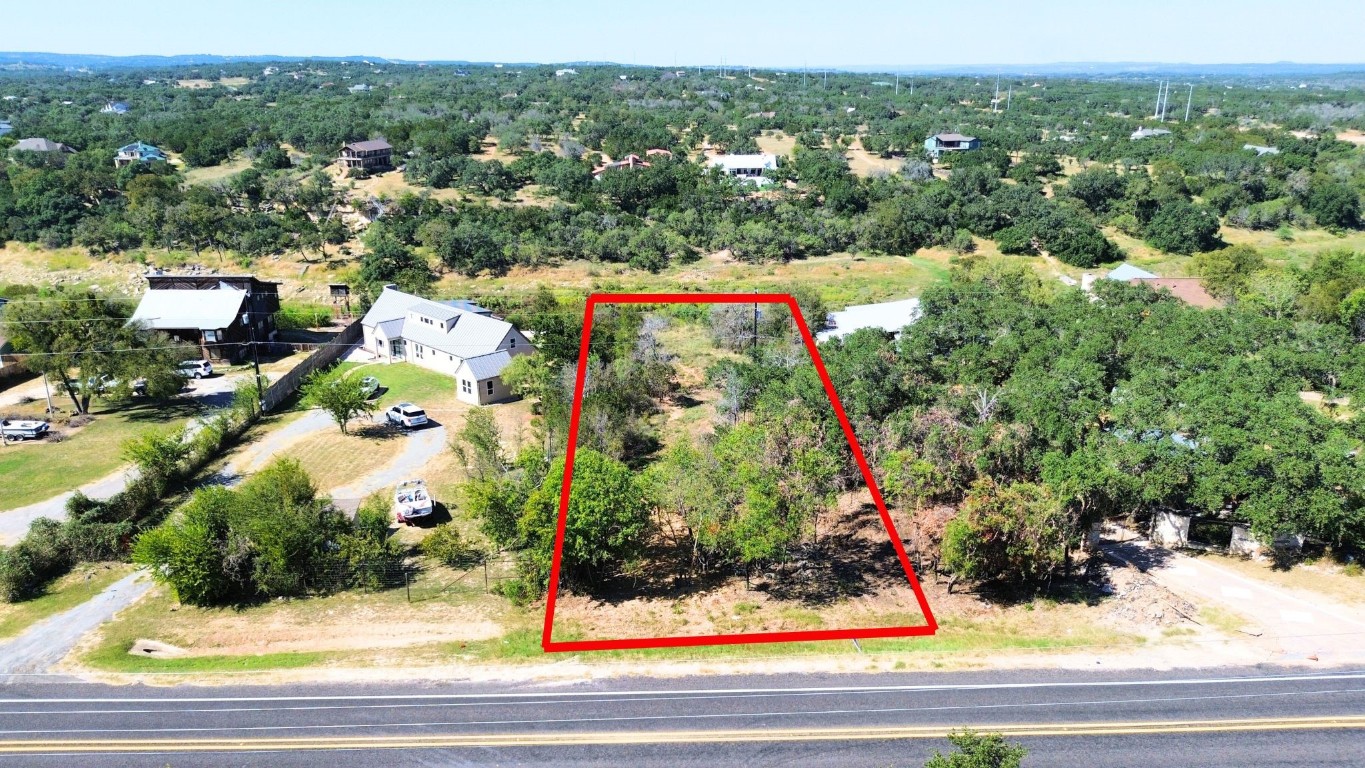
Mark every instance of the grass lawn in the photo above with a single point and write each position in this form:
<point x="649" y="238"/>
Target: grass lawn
<point x="333" y="459"/>
<point x="88" y="580"/>
<point x="1022" y="628"/>
<point x="40" y="469"/>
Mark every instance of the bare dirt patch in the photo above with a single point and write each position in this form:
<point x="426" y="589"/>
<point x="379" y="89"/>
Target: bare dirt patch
<point x="865" y="164"/>
<point x="1352" y="136"/>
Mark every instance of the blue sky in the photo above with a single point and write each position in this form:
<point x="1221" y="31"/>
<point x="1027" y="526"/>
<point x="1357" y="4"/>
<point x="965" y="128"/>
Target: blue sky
<point x="757" y="32"/>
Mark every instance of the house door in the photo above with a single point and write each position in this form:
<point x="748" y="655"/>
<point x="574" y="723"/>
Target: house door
<point x="397" y="349"/>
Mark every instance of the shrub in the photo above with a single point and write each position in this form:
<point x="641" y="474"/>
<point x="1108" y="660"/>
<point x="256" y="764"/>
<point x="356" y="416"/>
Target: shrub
<point x="303" y="316"/>
<point x="448" y="547"/>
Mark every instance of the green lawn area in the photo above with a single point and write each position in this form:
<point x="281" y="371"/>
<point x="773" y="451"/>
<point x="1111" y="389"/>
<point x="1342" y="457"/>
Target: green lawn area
<point x="40" y="469"/>
<point x="88" y="580"/>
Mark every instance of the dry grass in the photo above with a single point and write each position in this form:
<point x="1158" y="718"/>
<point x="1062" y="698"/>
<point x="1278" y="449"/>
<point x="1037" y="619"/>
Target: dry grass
<point x="445" y="608"/>
<point x="334" y="460"/>
<point x="1321" y="577"/>
<point x="865" y="164"/>
<point x="841" y="279"/>
<point x="776" y="143"/>
<point x="217" y="172"/>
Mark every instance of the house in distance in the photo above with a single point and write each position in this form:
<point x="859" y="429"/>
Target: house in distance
<point x="457" y="338"/>
<point x="747" y="168"/>
<point x="372" y="155"/>
<point x="53" y="149"/>
<point x="138" y="152"/>
<point x="940" y="143"/>
<point x="221" y="314"/>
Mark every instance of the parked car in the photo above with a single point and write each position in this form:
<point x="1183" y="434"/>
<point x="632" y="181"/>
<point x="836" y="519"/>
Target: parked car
<point x="369" y="385"/>
<point x="140" y="386"/>
<point x="94" y="385"/>
<point x="411" y="501"/>
<point x="196" y="369"/>
<point x="23" y="429"/>
<point x="406" y="415"/>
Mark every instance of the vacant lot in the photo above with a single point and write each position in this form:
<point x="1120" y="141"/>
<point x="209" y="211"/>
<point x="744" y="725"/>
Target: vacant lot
<point x="446" y="606"/>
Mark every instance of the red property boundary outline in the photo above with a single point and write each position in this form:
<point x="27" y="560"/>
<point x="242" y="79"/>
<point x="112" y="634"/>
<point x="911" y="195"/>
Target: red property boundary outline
<point x="550" y="645"/>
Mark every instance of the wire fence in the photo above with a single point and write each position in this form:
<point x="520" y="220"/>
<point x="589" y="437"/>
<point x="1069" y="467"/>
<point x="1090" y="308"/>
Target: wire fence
<point x="419" y="581"/>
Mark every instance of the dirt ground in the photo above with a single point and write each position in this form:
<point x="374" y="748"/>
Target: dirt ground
<point x="851" y="578"/>
<point x="1352" y="136"/>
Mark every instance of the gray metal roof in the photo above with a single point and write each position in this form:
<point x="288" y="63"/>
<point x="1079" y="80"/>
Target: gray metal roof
<point x="487" y="366"/>
<point x="392" y="329"/>
<point x="471" y="335"/>
<point x="176" y="309"/>
<point x="368" y="146"/>
<point x="438" y="312"/>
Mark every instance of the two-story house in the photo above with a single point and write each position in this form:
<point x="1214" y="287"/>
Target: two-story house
<point x="457" y="338"/>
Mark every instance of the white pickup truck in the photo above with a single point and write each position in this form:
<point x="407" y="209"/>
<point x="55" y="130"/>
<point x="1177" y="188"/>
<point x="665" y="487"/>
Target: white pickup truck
<point x="23" y="429"/>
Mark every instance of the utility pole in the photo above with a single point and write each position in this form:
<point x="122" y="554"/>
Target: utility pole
<point x="1008" y="96"/>
<point x="1188" y="101"/>
<point x="255" y="360"/>
<point x="755" y="346"/>
<point x="898" y="85"/>
<point x="995" y="103"/>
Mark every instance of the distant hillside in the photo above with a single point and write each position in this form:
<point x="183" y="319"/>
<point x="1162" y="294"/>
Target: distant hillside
<point x="95" y="61"/>
<point x="1080" y="68"/>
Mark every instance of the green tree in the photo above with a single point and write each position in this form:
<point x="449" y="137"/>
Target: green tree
<point x="157" y="454"/>
<point x="1179" y="226"/>
<point x="1227" y="273"/>
<point x="80" y="339"/>
<point x="1016" y="532"/>
<point x="979" y="750"/>
<point x="608" y="519"/>
<point x="387" y="260"/>
<point x="342" y="397"/>
<point x="1334" y="205"/>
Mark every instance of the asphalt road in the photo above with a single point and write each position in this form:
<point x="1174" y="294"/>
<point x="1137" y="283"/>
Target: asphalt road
<point x="1249" y="717"/>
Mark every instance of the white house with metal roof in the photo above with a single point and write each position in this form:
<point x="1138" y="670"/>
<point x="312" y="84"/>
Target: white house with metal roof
<point x="459" y="339"/>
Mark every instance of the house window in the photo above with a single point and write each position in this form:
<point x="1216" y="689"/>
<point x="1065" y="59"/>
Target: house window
<point x="490" y="386"/>
<point x="451" y="358"/>
<point x="512" y="343"/>
<point x="417" y="349"/>
<point x="211" y="336"/>
<point x="465" y="387"/>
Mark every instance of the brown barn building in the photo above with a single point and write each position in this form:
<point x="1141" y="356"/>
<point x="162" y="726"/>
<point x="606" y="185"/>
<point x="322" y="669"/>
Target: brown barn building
<point x="221" y="314"/>
<point x="372" y="155"/>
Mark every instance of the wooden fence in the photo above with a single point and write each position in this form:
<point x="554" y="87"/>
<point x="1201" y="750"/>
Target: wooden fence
<point x="322" y="357"/>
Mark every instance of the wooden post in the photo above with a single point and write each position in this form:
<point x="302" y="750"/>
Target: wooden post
<point x="407" y="585"/>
